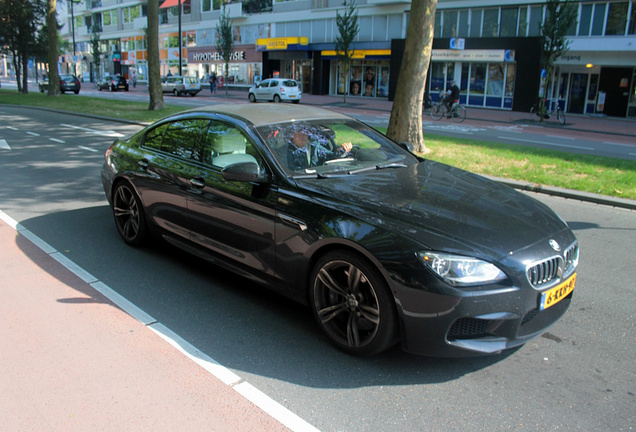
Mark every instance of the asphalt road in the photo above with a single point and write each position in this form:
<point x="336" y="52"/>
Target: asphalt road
<point x="581" y="375"/>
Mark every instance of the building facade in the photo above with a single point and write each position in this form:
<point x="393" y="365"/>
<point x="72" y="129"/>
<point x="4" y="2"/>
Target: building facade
<point x="491" y="48"/>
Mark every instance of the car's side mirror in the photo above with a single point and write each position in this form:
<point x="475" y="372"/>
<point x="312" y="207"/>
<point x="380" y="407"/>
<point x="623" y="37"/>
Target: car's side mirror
<point x="244" y="172"/>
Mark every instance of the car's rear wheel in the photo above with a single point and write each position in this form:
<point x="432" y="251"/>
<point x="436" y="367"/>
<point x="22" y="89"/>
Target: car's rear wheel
<point x="276" y="98"/>
<point x="352" y="304"/>
<point x="129" y="215"/>
<point x="252" y="98"/>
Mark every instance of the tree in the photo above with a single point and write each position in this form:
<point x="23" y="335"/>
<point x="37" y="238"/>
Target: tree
<point x="154" y="74"/>
<point x="405" y="124"/>
<point x="96" y="53"/>
<point x="51" y="23"/>
<point x="559" y="17"/>
<point x="225" y="42"/>
<point x="348" y="30"/>
<point x="19" y="21"/>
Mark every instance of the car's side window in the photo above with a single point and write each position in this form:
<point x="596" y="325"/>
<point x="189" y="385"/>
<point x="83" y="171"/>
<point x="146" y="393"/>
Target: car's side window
<point x="226" y="145"/>
<point x="181" y="138"/>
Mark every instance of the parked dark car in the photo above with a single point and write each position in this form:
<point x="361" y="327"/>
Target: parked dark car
<point x="112" y="83"/>
<point x="68" y="83"/>
<point x="383" y="246"/>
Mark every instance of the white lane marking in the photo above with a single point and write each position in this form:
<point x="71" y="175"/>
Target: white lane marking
<point x="560" y="137"/>
<point x="33" y="133"/>
<point x="225" y="375"/>
<point x="112" y="134"/>
<point x="12" y="128"/>
<point x="57" y="140"/>
<point x="546" y="143"/>
<point x="618" y="144"/>
<point x="4" y="145"/>
<point x="88" y="149"/>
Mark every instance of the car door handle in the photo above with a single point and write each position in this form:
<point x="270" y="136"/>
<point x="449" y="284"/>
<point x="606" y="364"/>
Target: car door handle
<point x="290" y="220"/>
<point x="197" y="183"/>
<point x="143" y="163"/>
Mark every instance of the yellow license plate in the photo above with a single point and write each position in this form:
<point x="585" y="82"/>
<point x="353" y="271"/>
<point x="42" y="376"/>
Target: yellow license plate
<point x="558" y="293"/>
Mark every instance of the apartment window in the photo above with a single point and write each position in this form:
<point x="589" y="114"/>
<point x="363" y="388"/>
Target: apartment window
<point x="491" y="23"/>
<point x="509" y="17"/>
<point x="475" y="22"/>
<point x="617" y="18"/>
<point x="438" y="24"/>
<point x="536" y="18"/>
<point x="585" y="20"/>
<point x="366" y="28"/>
<point x="598" y="19"/>
<point x="130" y="13"/>
<point x="523" y="21"/>
<point x="318" y="31"/>
<point x="632" y="21"/>
<point x="110" y="18"/>
<point x="449" y="25"/>
<point x="395" y="27"/>
<point x="379" y="27"/>
<point x="462" y="29"/>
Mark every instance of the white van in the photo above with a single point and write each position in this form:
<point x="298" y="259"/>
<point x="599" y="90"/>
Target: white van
<point x="179" y="85"/>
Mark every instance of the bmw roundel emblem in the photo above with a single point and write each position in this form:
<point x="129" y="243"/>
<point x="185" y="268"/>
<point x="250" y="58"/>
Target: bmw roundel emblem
<point x="555" y="245"/>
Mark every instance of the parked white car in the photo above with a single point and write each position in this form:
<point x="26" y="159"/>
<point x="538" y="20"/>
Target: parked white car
<point x="181" y="85"/>
<point x="276" y="89"/>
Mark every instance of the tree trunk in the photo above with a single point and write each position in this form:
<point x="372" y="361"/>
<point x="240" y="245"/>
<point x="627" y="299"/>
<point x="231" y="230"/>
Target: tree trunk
<point x="405" y="124"/>
<point x="25" y="73"/>
<point x="54" y="76"/>
<point x="154" y="74"/>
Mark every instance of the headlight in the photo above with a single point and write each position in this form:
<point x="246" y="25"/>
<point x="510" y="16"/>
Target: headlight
<point x="461" y="270"/>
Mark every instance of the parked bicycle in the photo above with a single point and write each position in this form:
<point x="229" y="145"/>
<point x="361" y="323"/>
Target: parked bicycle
<point x="457" y="111"/>
<point x="555" y="111"/>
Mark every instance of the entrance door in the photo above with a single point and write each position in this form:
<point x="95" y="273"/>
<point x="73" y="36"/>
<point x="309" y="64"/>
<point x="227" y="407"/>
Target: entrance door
<point x="616" y="82"/>
<point x="578" y="90"/>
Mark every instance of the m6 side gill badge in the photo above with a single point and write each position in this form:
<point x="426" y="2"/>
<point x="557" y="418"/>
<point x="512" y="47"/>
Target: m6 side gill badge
<point x="554" y="245"/>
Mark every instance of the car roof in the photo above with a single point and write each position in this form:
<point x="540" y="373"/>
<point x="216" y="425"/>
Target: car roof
<point x="262" y="114"/>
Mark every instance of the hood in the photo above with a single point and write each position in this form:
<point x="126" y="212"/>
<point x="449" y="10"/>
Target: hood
<point x="441" y="207"/>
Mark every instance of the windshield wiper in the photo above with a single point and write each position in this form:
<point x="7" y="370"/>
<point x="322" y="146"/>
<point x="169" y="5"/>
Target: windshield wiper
<point x="378" y="167"/>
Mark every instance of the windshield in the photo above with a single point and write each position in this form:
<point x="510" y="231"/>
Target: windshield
<point x="324" y="147"/>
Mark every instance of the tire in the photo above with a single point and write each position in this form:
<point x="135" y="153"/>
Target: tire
<point x="99" y="88"/>
<point x="175" y="92"/>
<point x="352" y="304"/>
<point x="252" y="98"/>
<point x="560" y="116"/>
<point x="129" y="215"/>
<point x="437" y="112"/>
<point x="276" y="98"/>
<point x="296" y="101"/>
<point x="76" y="92"/>
<point x="459" y="114"/>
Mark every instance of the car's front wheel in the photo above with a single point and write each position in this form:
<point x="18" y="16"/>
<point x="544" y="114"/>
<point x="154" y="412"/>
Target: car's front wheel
<point x="252" y="98"/>
<point x="129" y="215"/>
<point x="276" y="98"/>
<point x="175" y="92"/>
<point x="352" y="304"/>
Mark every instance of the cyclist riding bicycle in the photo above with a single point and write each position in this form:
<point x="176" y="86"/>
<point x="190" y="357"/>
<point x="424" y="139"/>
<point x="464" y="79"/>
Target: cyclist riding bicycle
<point x="452" y="96"/>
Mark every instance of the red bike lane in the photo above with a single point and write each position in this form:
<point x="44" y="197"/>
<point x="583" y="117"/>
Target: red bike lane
<point x="74" y="361"/>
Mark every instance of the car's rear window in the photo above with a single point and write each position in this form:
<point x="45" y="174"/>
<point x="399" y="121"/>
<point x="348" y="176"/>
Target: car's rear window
<point x="191" y="80"/>
<point x="290" y="83"/>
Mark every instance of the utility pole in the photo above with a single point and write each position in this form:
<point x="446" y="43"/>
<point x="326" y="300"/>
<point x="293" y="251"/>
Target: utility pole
<point x="180" y="39"/>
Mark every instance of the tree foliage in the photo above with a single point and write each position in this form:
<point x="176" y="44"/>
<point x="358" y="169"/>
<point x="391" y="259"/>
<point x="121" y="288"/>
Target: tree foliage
<point x="348" y="31"/>
<point x="20" y="21"/>
<point x="405" y="124"/>
<point x="154" y="73"/>
<point x="560" y="16"/>
<point x="225" y="43"/>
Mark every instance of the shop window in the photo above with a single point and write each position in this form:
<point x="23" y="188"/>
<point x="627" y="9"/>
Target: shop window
<point x="510" y="80"/>
<point x="475" y="22"/>
<point x="632" y="21"/>
<point x="478" y="78"/>
<point x="449" y="24"/>
<point x="598" y="20"/>
<point x="495" y="79"/>
<point x="536" y="18"/>
<point x="355" y="80"/>
<point x="509" y="17"/>
<point x="463" y="24"/>
<point x="491" y="23"/>
<point x="383" y="81"/>
<point x="437" y="77"/>
<point x="369" y="81"/>
<point x="617" y="18"/>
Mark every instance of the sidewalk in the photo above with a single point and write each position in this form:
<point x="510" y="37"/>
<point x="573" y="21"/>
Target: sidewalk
<point x="73" y="361"/>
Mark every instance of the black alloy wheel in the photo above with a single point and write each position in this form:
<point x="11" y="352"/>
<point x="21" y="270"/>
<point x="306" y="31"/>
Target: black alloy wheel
<point x="129" y="215"/>
<point x="352" y="304"/>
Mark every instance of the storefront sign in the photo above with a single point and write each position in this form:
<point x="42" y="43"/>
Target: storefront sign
<point x="360" y="54"/>
<point x="282" y="44"/>
<point x="473" y="55"/>
<point x="457" y="43"/>
<point x="242" y="53"/>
